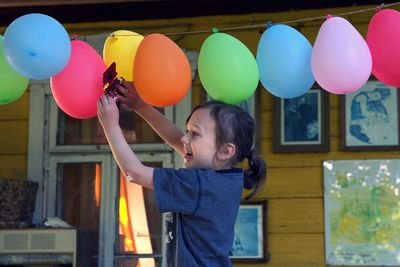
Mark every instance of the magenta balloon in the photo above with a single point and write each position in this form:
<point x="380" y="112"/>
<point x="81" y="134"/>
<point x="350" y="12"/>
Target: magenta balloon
<point x="78" y="87"/>
<point x="383" y="39"/>
<point x="341" y="61"/>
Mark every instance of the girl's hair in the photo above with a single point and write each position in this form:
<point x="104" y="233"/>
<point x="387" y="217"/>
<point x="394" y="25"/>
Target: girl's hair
<point x="234" y="125"/>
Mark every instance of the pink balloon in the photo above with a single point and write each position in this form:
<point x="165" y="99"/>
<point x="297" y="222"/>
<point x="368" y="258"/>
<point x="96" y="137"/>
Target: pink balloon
<point x="77" y="88"/>
<point x="341" y="61"/>
<point x="383" y="39"/>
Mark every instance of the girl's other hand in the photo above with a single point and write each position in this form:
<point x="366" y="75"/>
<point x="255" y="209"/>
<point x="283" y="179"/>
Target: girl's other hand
<point x="107" y="112"/>
<point x="128" y="96"/>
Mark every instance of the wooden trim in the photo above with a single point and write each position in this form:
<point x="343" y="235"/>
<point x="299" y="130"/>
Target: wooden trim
<point x="36" y="143"/>
<point x="17" y="3"/>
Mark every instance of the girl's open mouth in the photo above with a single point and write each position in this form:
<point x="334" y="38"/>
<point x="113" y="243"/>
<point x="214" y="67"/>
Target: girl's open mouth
<point x="188" y="156"/>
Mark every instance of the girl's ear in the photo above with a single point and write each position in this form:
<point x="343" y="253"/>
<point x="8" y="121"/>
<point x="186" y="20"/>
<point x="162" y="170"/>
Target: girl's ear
<point x="226" y="151"/>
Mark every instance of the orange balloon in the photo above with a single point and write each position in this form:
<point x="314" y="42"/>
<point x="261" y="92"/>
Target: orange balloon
<point x="161" y="70"/>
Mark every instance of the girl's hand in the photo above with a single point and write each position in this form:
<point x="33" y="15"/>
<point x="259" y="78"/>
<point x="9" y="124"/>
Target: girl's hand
<point x="107" y="112"/>
<point x="128" y="96"/>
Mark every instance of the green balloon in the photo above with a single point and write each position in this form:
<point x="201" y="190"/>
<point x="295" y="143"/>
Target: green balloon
<point x="12" y="84"/>
<point x="227" y="69"/>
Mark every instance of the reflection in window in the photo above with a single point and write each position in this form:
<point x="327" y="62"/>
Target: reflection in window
<point x="139" y="224"/>
<point x="134" y="262"/>
<point x="79" y="196"/>
<point x="73" y="131"/>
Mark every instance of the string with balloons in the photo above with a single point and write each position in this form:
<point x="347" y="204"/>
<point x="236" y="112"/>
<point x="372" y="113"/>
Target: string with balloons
<point x="36" y="46"/>
<point x="340" y="61"/>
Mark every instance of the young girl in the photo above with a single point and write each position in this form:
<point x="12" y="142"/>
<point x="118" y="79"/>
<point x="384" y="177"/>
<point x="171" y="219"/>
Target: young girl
<point x="204" y="197"/>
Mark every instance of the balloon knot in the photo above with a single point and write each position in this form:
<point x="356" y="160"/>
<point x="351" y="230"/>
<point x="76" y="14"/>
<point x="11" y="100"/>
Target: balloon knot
<point x="214" y="30"/>
<point x="328" y="16"/>
<point x="378" y="8"/>
<point x="75" y="36"/>
<point x="269" y="24"/>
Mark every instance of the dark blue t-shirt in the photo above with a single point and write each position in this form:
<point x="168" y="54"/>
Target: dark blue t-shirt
<point x="202" y="206"/>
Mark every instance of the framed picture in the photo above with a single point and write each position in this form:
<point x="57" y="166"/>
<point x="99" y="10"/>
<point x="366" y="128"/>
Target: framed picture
<point x="301" y="124"/>
<point x="370" y="118"/>
<point x="362" y="212"/>
<point x="250" y="242"/>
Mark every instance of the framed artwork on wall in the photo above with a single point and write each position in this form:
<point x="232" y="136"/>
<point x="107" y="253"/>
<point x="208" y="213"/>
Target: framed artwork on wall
<point x="301" y="124"/>
<point x="370" y="118"/>
<point x="362" y="212"/>
<point x="250" y="241"/>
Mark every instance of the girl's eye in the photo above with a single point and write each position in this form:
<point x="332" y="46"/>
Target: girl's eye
<point x="192" y="133"/>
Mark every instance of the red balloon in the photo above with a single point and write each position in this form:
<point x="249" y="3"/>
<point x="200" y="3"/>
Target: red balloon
<point x="383" y="39"/>
<point x="77" y="88"/>
<point x="161" y="70"/>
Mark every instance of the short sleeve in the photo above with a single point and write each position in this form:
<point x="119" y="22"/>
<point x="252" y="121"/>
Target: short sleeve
<point x="176" y="190"/>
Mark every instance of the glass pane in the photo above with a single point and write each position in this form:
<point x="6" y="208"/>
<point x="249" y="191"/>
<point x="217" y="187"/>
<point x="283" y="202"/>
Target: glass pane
<point x="73" y="131"/>
<point x="139" y="220"/>
<point x="141" y="262"/>
<point x="79" y="205"/>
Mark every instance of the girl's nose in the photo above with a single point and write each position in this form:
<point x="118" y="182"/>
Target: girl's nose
<point x="184" y="139"/>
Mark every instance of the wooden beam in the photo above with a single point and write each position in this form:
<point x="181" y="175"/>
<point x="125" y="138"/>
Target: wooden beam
<point x="31" y="3"/>
<point x="108" y="10"/>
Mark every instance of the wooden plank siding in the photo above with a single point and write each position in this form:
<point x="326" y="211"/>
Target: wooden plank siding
<point x="294" y="187"/>
<point x="294" y="190"/>
<point x="14" y="138"/>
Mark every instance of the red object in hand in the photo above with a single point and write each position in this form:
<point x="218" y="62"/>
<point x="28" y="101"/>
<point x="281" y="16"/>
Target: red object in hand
<point x="110" y="81"/>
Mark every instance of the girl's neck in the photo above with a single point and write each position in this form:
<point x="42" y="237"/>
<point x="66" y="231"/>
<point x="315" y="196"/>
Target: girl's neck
<point x="222" y="165"/>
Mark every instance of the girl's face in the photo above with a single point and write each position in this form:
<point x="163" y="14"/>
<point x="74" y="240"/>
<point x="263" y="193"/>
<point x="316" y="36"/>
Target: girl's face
<point x="199" y="142"/>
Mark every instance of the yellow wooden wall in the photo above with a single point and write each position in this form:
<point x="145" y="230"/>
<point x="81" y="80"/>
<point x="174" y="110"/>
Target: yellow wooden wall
<point x="294" y="188"/>
<point x="14" y="138"/>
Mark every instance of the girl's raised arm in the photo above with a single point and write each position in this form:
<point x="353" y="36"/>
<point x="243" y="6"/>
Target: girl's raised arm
<point x="128" y="162"/>
<point x="167" y="130"/>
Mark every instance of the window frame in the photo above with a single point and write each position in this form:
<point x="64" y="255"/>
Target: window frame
<point x="44" y="155"/>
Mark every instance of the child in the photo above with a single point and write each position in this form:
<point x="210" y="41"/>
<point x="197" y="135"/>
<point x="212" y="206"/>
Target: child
<point x="204" y="197"/>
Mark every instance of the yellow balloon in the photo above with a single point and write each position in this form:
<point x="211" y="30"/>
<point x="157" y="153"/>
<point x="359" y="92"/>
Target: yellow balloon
<point x="120" y="47"/>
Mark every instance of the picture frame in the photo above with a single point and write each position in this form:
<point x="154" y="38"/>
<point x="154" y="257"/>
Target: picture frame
<point x="301" y="124"/>
<point x="361" y="212"/>
<point x="369" y="118"/>
<point x="250" y="241"/>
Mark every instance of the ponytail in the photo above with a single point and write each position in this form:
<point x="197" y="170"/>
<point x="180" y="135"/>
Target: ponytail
<point x="255" y="175"/>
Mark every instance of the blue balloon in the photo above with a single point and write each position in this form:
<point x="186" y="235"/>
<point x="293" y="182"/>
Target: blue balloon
<point x="284" y="62"/>
<point x="37" y="46"/>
